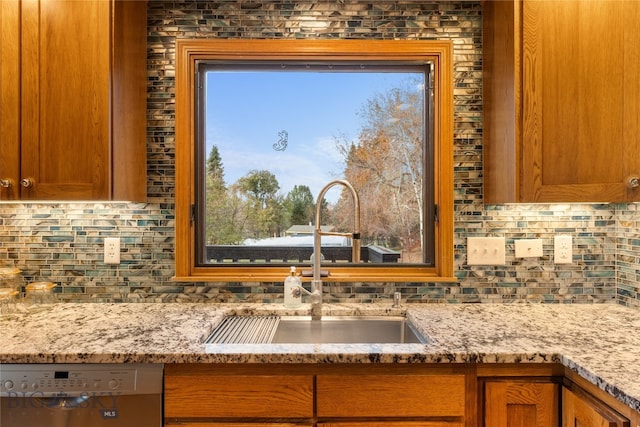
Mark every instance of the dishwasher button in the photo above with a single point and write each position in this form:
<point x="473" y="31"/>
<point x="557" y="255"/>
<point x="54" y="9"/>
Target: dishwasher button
<point x="8" y="384"/>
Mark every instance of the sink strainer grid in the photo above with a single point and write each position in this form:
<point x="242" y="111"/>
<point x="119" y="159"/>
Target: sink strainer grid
<point x="244" y="330"/>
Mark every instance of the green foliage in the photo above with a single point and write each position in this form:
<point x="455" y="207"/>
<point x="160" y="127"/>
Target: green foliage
<point x="263" y="205"/>
<point x="223" y="223"/>
<point x="259" y="187"/>
<point x="299" y="205"/>
<point x="214" y="164"/>
<point x="223" y="212"/>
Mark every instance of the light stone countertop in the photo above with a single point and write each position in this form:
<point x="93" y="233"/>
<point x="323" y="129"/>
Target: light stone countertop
<point x="600" y="342"/>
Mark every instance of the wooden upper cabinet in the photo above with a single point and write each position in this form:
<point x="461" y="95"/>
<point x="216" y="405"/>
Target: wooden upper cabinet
<point x="561" y="93"/>
<point x="82" y="101"/>
<point x="9" y="98"/>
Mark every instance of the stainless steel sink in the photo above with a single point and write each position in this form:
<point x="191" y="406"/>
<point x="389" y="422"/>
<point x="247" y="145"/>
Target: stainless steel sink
<point x="304" y="330"/>
<point x="348" y="330"/>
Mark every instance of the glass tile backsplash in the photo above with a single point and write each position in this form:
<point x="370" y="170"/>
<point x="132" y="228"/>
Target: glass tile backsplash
<point x="62" y="242"/>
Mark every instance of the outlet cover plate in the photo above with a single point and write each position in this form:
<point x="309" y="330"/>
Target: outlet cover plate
<point x="563" y="249"/>
<point x="485" y="251"/>
<point x="112" y="250"/>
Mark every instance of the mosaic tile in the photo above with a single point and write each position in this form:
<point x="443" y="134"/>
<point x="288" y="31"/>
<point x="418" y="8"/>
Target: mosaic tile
<point x="62" y="242"/>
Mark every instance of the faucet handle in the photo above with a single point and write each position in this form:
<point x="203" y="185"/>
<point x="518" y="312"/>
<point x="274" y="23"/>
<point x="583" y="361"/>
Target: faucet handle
<point x="397" y="296"/>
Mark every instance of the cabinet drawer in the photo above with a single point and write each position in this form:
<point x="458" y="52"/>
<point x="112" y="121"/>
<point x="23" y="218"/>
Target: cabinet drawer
<point x="391" y="395"/>
<point x="394" y="424"/>
<point x="224" y="396"/>
<point x="233" y="424"/>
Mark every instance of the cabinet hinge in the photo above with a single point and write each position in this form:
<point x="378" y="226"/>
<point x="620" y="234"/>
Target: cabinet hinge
<point x="193" y="213"/>
<point x="435" y="213"/>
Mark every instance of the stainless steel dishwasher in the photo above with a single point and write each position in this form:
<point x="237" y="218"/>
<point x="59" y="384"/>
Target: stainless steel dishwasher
<point x="81" y="395"/>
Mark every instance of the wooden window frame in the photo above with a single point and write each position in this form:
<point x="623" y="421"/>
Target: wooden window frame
<point x="190" y="51"/>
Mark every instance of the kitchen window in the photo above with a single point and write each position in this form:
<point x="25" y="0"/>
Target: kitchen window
<point x="248" y="224"/>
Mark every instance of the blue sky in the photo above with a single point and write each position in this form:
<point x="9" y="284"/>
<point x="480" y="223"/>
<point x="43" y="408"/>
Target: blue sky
<point x="246" y="111"/>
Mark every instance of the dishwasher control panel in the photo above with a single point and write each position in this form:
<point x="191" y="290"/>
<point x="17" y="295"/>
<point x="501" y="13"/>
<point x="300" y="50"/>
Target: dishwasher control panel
<point x="68" y="379"/>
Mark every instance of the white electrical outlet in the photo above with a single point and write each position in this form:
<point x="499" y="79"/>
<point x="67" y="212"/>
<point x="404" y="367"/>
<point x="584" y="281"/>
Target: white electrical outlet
<point x="485" y="251"/>
<point x="525" y="248"/>
<point x="562" y="249"/>
<point x="112" y="250"/>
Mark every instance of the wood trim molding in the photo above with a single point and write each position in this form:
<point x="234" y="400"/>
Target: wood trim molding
<point x="188" y="51"/>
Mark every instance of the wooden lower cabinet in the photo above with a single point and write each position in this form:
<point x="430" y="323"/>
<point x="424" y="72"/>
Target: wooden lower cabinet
<point x="329" y="424"/>
<point x="392" y="424"/>
<point x="209" y="393"/>
<point x="389" y="395"/>
<point x="582" y="410"/>
<point x="343" y="395"/>
<point x="229" y="424"/>
<point x="586" y="405"/>
<point x="521" y="403"/>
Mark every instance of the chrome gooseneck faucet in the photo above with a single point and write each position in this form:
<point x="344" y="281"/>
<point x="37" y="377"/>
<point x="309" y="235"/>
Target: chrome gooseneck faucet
<point x="316" y="283"/>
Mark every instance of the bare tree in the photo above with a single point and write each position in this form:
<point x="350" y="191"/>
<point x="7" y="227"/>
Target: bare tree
<point x="386" y="166"/>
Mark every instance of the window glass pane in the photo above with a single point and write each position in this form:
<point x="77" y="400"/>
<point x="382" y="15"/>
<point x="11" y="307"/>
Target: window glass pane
<point x="272" y="137"/>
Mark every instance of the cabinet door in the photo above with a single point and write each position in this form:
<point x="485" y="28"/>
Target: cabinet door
<point x="521" y="404"/>
<point x="501" y="98"/>
<point x="561" y="101"/>
<point x="578" y="100"/>
<point x="581" y="410"/>
<point x="65" y="99"/>
<point x="9" y="99"/>
<point x="83" y="100"/>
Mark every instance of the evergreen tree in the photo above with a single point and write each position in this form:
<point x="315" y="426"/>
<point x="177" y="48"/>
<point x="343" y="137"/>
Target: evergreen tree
<point x="300" y="205"/>
<point x="215" y="169"/>
<point x="223" y="209"/>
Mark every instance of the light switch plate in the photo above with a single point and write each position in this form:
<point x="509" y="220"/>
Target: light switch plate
<point x="485" y="251"/>
<point x="525" y="248"/>
<point x="562" y="249"/>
